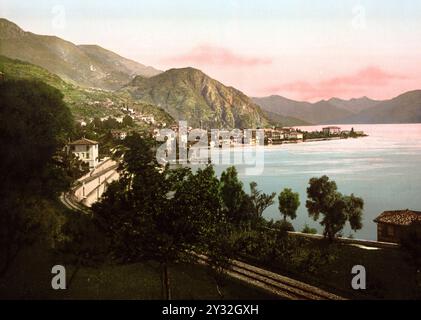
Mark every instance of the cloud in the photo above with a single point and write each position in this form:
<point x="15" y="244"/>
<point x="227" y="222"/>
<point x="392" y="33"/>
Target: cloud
<point x="217" y="56"/>
<point x="371" y="76"/>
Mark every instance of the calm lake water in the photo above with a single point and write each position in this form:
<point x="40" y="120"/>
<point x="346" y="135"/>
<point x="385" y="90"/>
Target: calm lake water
<point x="383" y="168"/>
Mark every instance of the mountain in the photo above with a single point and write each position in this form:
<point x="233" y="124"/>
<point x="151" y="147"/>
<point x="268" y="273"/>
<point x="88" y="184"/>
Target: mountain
<point x="284" y="121"/>
<point x="84" y="65"/>
<point x="405" y="108"/>
<point x="189" y="94"/>
<point x="319" y="112"/>
<point x="84" y="103"/>
<point x="354" y="105"/>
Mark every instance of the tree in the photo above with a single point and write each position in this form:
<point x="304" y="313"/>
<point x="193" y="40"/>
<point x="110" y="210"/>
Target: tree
<point x="236" y="201"/>
<point x="323" y="198"/>
<point x="260" y="201"/>
<point x="111" y="123"/>
<point x="220" y="248"/>
<point x="72" y="165"/>
<point x="83" y="243"/>
<point x="127" y="121"/>
<point x="309" y="230"/>
<point x="34" y="125"/>
<point x="288" y="203"/>
<point x="154" y="213"/>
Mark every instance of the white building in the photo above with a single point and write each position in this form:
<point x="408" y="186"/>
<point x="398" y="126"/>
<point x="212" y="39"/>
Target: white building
<point x="332" y="130"/>
<point x="294" y="135"/>
<point x="82" y="123"/>
<point x="86" y="150"/>
<point x="119" y="134"/>
<point x="147" y="119"/>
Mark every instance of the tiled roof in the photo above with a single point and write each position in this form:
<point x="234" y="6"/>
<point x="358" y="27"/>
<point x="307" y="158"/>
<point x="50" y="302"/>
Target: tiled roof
<point x="83" y="141"/>
<point x="399" y="217"/>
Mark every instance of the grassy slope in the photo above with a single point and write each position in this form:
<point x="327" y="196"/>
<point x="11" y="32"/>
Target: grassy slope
<point x="389" y="276"/>
<point x="30" y="278"/>
<point x="88" y="66"/>
<point x="84" y="103"/>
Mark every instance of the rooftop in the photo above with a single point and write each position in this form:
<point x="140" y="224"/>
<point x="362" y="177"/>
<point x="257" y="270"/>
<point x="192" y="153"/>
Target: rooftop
<point x="399" y="217"/>
<point x="83" y="141"/>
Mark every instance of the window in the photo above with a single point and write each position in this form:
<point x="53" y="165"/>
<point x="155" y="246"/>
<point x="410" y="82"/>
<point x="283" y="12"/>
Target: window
<point x="87" y="148"/>
<point x="87" y="155"/>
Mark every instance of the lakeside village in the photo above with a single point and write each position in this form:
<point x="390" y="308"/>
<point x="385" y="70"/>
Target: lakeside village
<point x="176" y="137"/>
<point x="162" y="131"/>
<point x="182" y="144"/>
<point x="268" y="136"/>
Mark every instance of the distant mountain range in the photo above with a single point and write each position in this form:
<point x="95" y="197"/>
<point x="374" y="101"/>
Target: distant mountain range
<point x="183" y="94"/>
<point x="405" y="108"/>
<point x="85" y="65"/>
<point x="319" y="112"/>
<point x="353" y="105"/>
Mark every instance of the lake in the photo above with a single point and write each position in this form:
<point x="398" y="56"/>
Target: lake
<point x="383" y="168"/>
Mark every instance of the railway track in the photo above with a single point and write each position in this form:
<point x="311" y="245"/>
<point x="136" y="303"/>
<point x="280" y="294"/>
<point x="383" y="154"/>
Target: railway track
<point x="68" y="198"/>
<point x="274" y="283"/>
<point x="72" y="204"/>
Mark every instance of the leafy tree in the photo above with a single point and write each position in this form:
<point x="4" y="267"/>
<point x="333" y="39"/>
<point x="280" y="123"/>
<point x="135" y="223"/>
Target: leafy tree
<point x="354" y="207"/>
<point x="96" y="123"/>
<point x="73" y="166"/>
<point x="288" y="203"/>
<point x="82" y="244"/>
<point x="309" y="230"/>
<point x="323" y="198"/>
<point x="111" y="123"/>
<point x="127" y="121"/>
<point x="220" y="248"/>
<point x="236" y="201"/>
<point x="154" y="213"/>
<point x="34" y="124"/>
<point x="283" y="226"/>
<point x="260" y="201"/>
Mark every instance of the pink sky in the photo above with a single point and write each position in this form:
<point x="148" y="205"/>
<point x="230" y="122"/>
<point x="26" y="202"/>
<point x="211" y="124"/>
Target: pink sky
<point x="378" y="77"/>
<point x="301" y="49"/>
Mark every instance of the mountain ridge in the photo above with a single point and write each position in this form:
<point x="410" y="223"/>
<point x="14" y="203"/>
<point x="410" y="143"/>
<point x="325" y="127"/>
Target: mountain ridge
<point x="404" y="108"/>
<point x="319" y="112"/>
<point x="84" y="103"/>
<point x="190" y="94"/>
<point x="364" y="110"/>
<point x="84" y="65"/>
